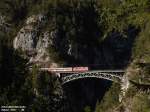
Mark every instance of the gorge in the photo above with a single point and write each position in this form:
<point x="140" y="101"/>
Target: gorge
<point x="101" y="35"/>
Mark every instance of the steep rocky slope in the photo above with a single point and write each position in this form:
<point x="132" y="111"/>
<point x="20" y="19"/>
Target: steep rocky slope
<point x="113" y="53"/>
<point x="110" y="34"/>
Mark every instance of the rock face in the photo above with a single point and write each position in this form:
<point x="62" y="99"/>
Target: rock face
<point x="35" y="40"/>
<point x="32" y="40"/>
<point x="4" y="26"/>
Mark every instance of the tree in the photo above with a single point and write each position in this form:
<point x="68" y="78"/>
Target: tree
<point x="48" y="97"/>
<point x="16" y="9"/>
<point x="87" y="109"/>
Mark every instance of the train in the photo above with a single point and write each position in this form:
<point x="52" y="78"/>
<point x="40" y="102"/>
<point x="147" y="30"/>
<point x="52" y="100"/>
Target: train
<point x="69" y="69"/>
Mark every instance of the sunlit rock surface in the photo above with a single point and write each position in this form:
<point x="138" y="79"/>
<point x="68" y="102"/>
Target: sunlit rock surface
<point x="31" y="40"/>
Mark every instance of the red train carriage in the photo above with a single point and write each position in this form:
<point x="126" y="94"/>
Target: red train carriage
<point x="80" y="69"/>
<point x="69" y="69"/>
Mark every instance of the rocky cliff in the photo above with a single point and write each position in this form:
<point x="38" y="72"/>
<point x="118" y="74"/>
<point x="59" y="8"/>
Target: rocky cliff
<point x="112" y="53"/>
<point x="115" y="51"/>
<point x="100" y="34"/>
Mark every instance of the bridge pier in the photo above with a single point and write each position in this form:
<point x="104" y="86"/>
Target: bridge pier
<point x="58" y="75"/>
<point x="124" y="87"/>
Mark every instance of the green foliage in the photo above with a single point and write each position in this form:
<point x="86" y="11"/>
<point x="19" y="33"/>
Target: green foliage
<point x="140" y="103"/>
<point x="87" y="109"/>
<point x="131" y="92"/>
<point x="19" y="86"/>
<point x="47" y="83"/>
<point x="120" y="15"/>
<point x="47" y="90"/>
<point x="79" y="22"/>
<point x="13" y="76"/>
<point x="41" y="104"/>
<point x="110" y="100"/>
<point x="141" y="53"/>
<point x="16" y="9"/>
<point x="141" y="50"/>
<point x="34" y="73"/>
<point x="42" y="6"/>
<point x="55" y="55"/>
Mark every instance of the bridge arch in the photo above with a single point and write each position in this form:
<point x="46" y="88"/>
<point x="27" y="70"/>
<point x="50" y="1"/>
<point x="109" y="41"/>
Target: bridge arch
<point x="116" y="77"/>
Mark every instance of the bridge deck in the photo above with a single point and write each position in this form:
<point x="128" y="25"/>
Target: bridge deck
<point x="89" y="71"/>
